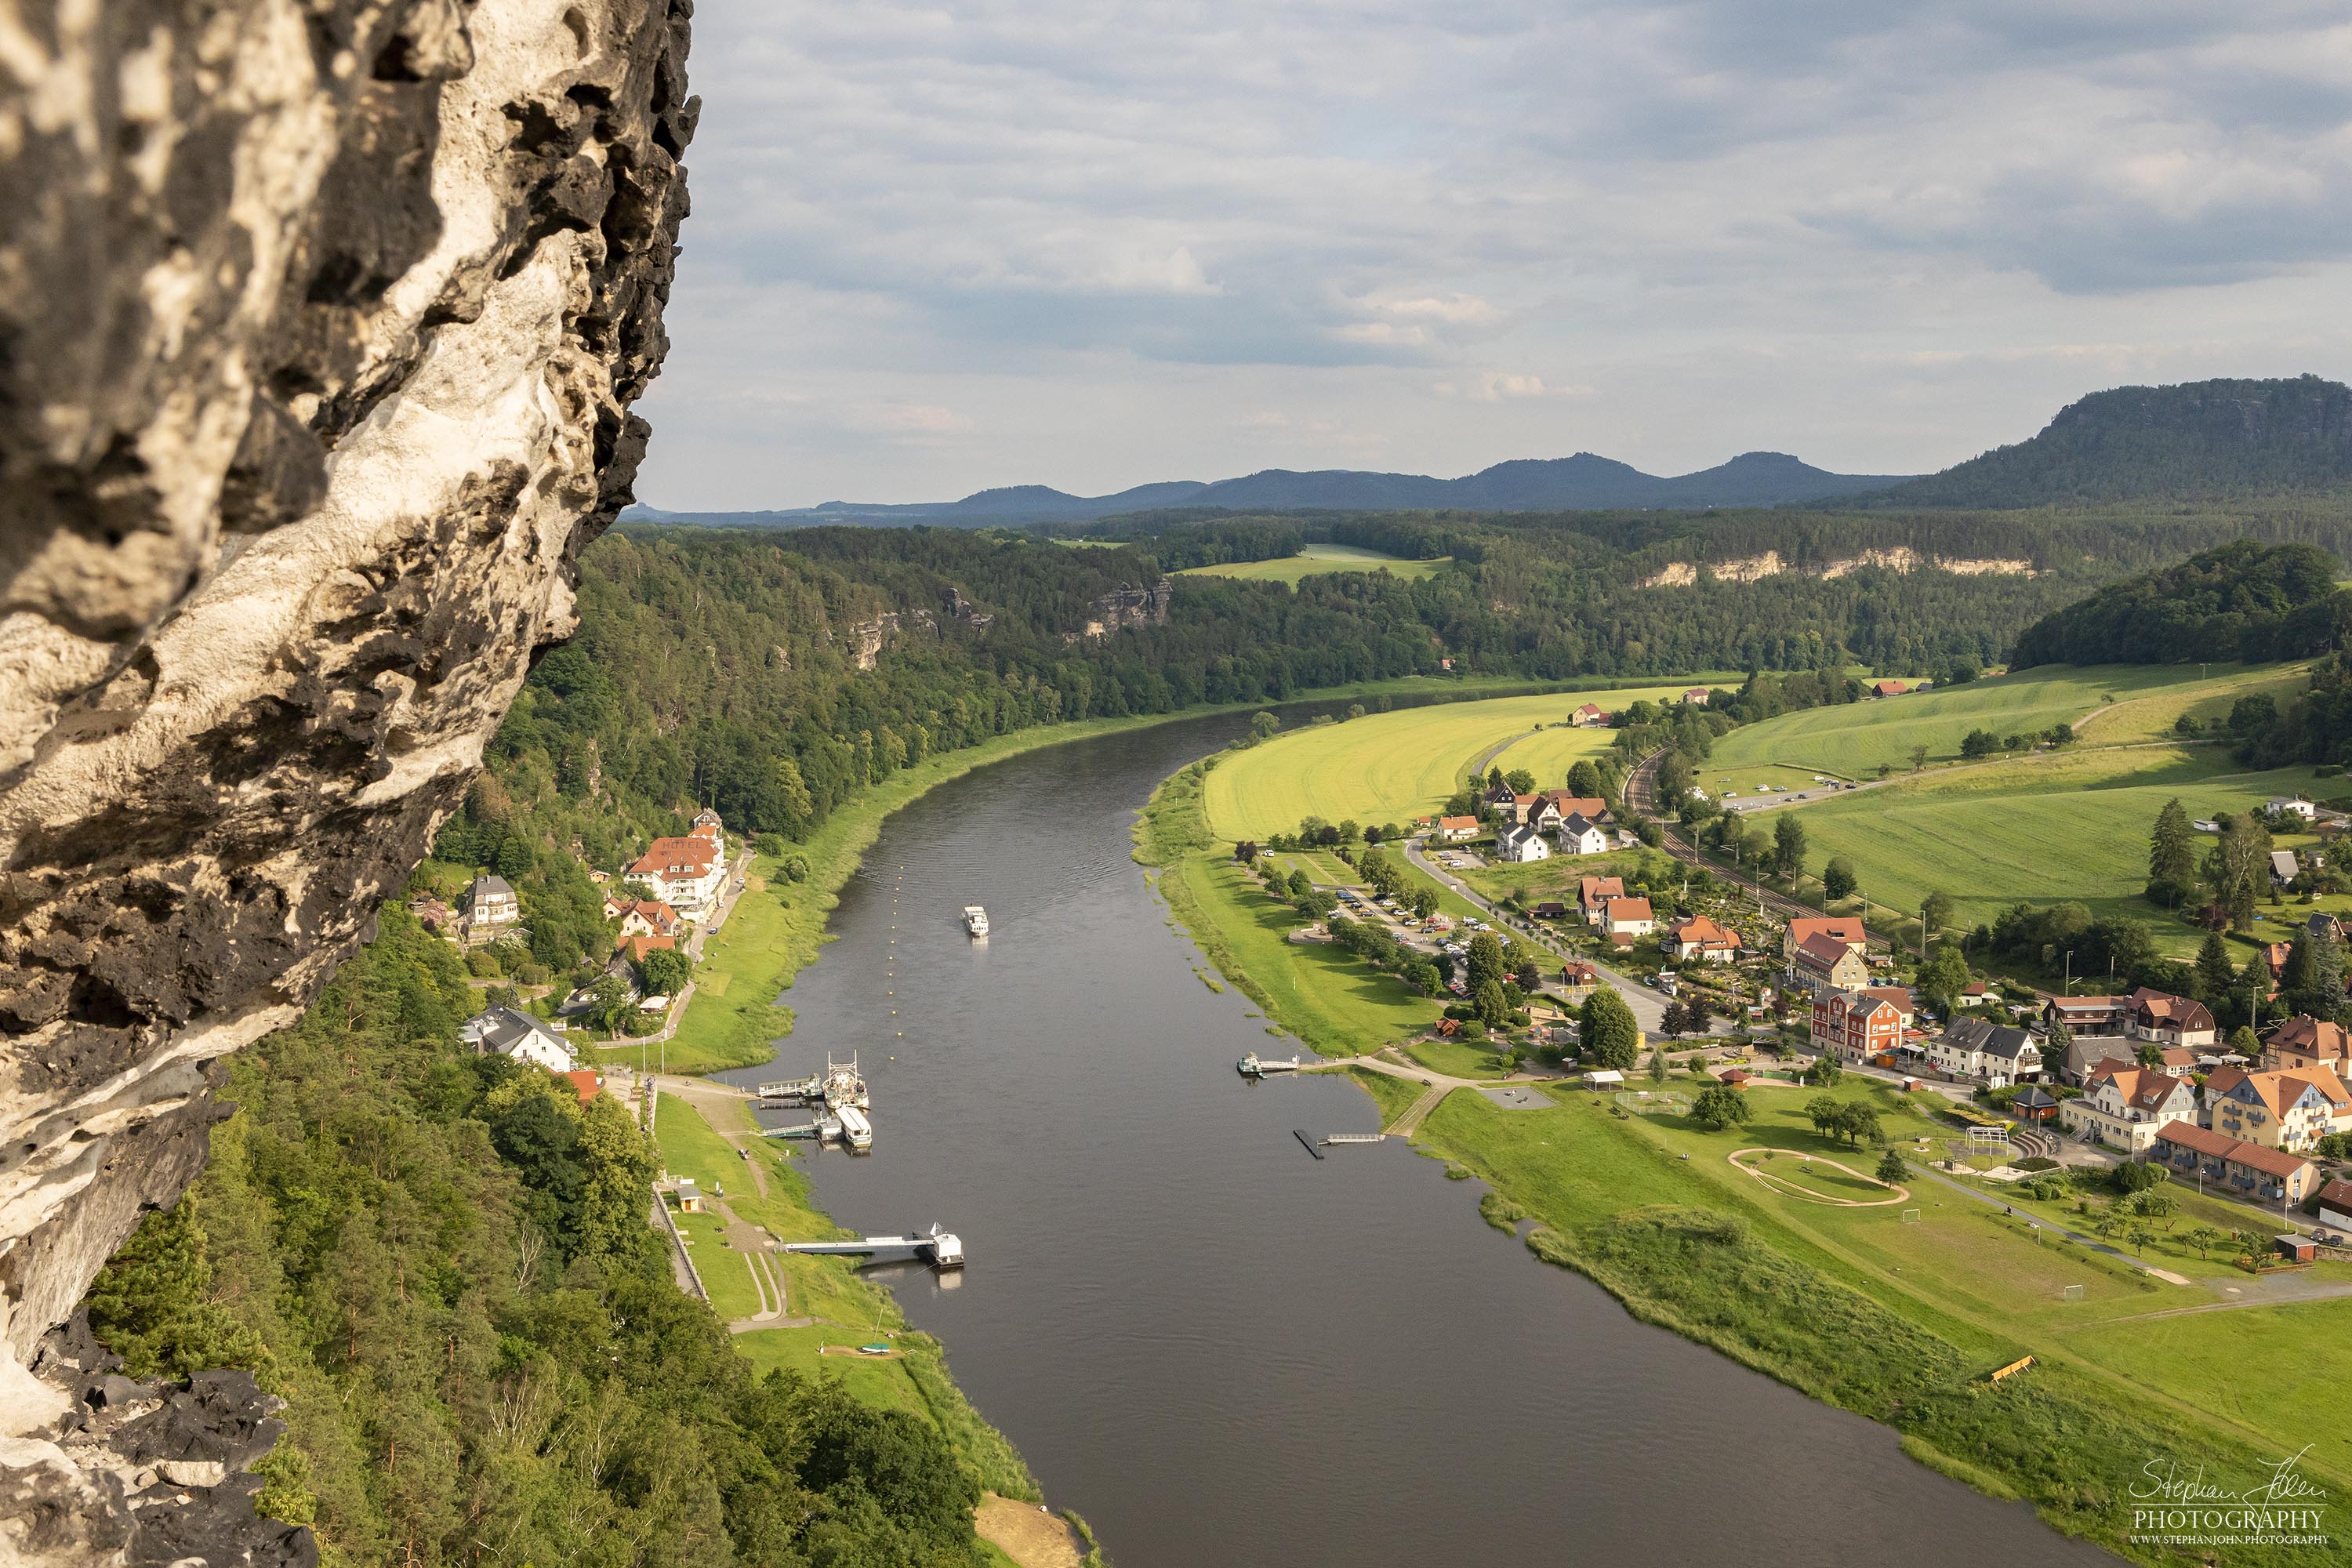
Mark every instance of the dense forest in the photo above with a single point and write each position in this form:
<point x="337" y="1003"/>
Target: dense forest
<point x="2244" y="601"/>
<point x="442" y="1260"/>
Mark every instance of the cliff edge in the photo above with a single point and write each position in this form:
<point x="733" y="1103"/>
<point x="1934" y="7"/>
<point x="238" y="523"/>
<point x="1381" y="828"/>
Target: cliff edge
<point x="320" y="325"/>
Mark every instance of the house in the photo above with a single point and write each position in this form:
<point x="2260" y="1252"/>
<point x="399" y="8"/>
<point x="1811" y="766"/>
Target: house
<point x="683" y="872"/>
<point x="1456" y="829"/>
<point x="1495" y="798"/>
<point x="585" y="1084"/>
<point x="2321" y="924"/>
<point x="505" y="1032"/>
<point x="634" y="948"/>
<point x="2087" y="1054"/>
<point x="1856" y="1025"/>
<point x="615" y="906"/>
<point x="2275" y="954"/>
<point x="2336" y="1211"/>
<point x="1897" y="998"/>
<point x="2167" y="1019"/>
<point x="1580" y="836"/>
<point x="2290" y="805"/>
<point x="1591" y="807"/>
<point x="2122" y="1106"/>
<point x="490" y="906"/>
<point x="1888" y="689"/>
<point x="2304" y="1042"/>
<point x="1522" y="845"/>
<point x="707" y="821"/>
<point x="1588" y="717"/>
<point x="1975" y="993"/>
<point x="1992" y="1053"/>
<point x="1591" y="892"/>
<point x="647" y="917"/>
<point x="1627" y="917"/>
<point x="1579" y="979"/>
<point x="1537" y="811"/>
<point x="1550" y="909"/>
<point x="1700" y="938"/>
<point x="2252" y="1170"/>
<point x="2109" y="1017"/>
<point x="1824" y="961"/>
<point x="2033" y="1104"/>
<point x="2284" y="870"/>
<point x="2175" y="1061"/>
<point x="1695" y="697"/>
<point x="1838" y="928"/>
<point x="2277" y="1110"/>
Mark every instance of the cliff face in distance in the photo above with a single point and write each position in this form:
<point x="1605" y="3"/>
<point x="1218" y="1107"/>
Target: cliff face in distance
<point x="320" y="325"/>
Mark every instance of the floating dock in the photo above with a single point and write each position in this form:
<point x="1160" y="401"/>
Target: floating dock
<point x="1255" y="1066"/>
<point x="1305" y="1142"/>
<point x="942" y="1247"/>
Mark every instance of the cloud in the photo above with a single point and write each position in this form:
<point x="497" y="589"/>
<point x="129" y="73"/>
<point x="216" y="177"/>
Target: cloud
<point x="1109" y="227"/>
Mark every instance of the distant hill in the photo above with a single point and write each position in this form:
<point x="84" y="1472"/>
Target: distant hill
<point x="1582" y="483"/>
<point x="2203" y="440"/>
<point x="2244" y="601"/>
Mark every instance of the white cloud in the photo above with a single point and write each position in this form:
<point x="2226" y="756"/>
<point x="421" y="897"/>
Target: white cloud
<point x="1863" y="230"/>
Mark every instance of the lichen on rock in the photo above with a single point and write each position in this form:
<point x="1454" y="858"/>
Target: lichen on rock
<point x="320" y="322"/>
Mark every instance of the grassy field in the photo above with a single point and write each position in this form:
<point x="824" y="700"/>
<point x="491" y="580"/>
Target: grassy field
<point x="1853" y="740"/>
<point x="1319" y="560"/>
<point x="1548" y="753"/>
<point x="2071" y="826"/>
<point x="1901" y="1322"/>
<point x="1389" y="767"/>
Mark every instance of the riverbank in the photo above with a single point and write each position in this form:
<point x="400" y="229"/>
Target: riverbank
<point x="1897" y="1314"/>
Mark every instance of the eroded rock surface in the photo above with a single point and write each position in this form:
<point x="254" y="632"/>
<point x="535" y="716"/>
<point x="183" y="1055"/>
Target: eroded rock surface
<point x="320" y="325"/>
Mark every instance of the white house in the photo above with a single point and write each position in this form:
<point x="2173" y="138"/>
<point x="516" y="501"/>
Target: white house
<point x="1978" y="1049"/>
<point x="490" y="905"/>
<point x="519" y="1035"/>
<point x="1456" y="830"/>
<point x="2284" y="870"/>
<point x="1522" y="845"/>
<point x="684" y="873"/>
<point x="2122" y="1106"/>
<point x="1628" y="917"/>
<point x="2283" y="805"/>
<point x="1580" y="835"/>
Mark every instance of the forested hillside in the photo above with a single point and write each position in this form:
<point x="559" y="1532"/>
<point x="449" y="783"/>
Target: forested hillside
<point x="2245" y="601"/>
<point x="442" y="1262"/>
<point x="2204" y="440"/>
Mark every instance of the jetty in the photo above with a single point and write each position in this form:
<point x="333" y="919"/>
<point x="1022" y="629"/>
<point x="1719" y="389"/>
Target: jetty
<point x="1255" y="1066"/>
<point x="941" y="1248"/>
<point x="1356" y="1138"/>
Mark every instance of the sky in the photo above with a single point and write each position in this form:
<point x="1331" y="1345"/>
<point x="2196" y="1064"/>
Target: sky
<point x="936" y="250"/>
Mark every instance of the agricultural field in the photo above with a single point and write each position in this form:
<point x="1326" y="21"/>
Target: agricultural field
<point x="1548" y="753"/>
<point x="2043" y="828"/>
<point x="2212" y="1352"/>
<point x="1854" y="739"/>
<point x="1389" y="767"/>
<point x="1320" y="560"/>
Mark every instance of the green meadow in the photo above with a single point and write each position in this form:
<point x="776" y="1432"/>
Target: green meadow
<point x="1320" y="560"/>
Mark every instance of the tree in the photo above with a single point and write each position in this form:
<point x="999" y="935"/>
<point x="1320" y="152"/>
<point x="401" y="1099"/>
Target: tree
<point x="1584" y="779"/>
<point x="1657" y="1064"/>
<point x="1943" y="977"/>
<point x="2206" y="1238"/>
<point x="1787" y="846"/>
<point x="2213" y="972"/>
<point x="1486" y="960"/>
<point x="2056" y="1042"/>
<point x="1891" y="1168"/>
<point x="1606" y="1029"/>
<point x="1824" y="1073"/>
<point x="1838" y="880"/>
<point x="2237" y="866"/>
<point x="1246" y="851"/>
<point x="2148" y="1054"/>
<point x="1494" y="1007"/>
<point x="1424" y="902"/>
<point x="1720" y="1107"/>
<point x="1979" y="743"/>
<point x="1521" y="781"/>
<point x="1672" y="1023"/>
<point x="1825" y="1112"/>
<point x="1861" y="1124"/>
<point x="2172" y="856"/>
<point x="664" y="971"/>
<point x="1263" y="726"/>
<point x="1935" y="911"/>
<point x="1918" y="758"/>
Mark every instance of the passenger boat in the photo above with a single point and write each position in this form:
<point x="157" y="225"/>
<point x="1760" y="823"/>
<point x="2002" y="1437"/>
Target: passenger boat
<point x="975" y="920"/>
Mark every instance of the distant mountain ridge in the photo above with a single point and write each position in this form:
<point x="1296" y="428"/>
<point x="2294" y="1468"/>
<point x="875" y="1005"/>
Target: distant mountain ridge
<point x="1584" y="483"/>
<point x="2200" y="440"/>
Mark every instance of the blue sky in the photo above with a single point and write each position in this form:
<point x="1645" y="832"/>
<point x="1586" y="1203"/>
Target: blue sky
<point x="935" y="249"/>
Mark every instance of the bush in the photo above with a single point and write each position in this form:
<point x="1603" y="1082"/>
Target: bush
<point x="483" y="964"/>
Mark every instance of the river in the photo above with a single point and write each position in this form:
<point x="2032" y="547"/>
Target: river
<point x="1220" y="1349"/>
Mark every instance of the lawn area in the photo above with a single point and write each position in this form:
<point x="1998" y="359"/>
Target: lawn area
<point x="2071" y="826"/>
<point x="2282" y="1371"/>
<point x="1551" y="752"/>
<point x="883" y="1383"/>
<point x="1318" y="560"/>
<point x="1853" y="739"/>
<point x="1385" y="767"/>
<point x="2151" y="715"/>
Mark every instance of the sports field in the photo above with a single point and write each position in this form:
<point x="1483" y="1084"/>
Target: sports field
<point x="1316" y="560"/>
<point x="2043" y="828"/>
<point x="1395" y="766"/>
<point x="1853" y="740"/>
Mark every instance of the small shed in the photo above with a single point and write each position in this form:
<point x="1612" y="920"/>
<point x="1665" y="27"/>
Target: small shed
<point x="2034" y="1104"/>
<point x="1734" y="1077"/>
<point x="1604" y="1077"/>
<point x="2296" y="1249"/>
<point x="1551" y="909"/>
<point x="689" y="1198"/>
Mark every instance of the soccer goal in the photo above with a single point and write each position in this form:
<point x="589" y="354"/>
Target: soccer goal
<point x="2071" y="1293"/>
<point x="1910" y="1216"/>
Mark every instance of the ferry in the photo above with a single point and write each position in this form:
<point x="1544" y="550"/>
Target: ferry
<point x="855" y="1131"/>
<point x="975" y="920"/>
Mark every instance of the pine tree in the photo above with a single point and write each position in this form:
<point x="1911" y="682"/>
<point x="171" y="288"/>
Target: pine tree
<point x="2214" y="971"/>
<point x="2171" y="855"/>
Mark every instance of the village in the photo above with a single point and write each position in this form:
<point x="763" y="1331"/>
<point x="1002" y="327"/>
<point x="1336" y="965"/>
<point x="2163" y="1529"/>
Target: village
<point x="1742" y="993"/>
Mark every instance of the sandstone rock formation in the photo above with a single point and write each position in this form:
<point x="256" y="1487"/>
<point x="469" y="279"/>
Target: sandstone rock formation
<point x="320" y="325"/>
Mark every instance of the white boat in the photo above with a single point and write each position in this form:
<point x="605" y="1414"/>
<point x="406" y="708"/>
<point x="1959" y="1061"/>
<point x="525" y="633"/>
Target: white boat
<point x="855" y="1130"/>
<point x="975" y="920"/>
